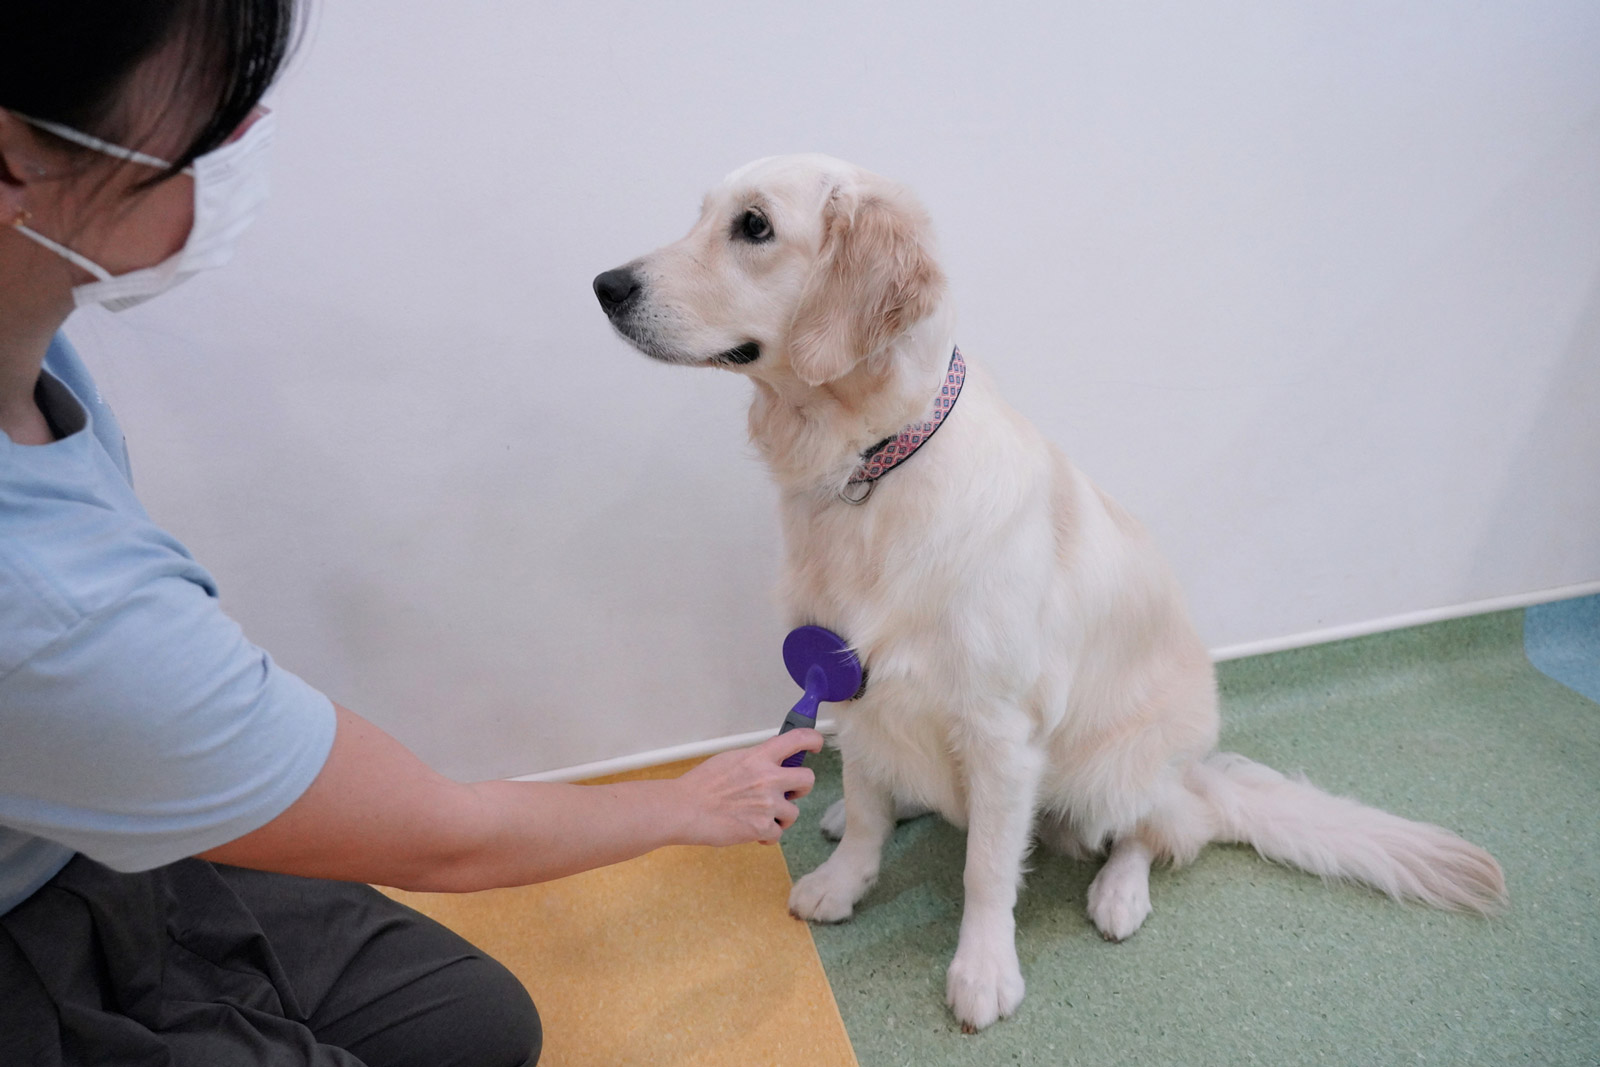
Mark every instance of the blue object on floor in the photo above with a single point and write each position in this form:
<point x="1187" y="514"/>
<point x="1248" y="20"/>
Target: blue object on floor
<point x="1563" y="641"/>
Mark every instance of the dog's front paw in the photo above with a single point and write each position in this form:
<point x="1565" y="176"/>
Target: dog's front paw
<point x="1119" y="902"/>
<point x="829" y="893"/>
<point x="984" y="985"/>
<point x="833" y="821"/>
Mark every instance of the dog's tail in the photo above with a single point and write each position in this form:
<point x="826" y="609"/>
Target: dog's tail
<point x="1292" y="821"/>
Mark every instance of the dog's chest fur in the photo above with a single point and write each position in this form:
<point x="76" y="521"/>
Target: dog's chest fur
<point x="943" y="580"/>
<point x="993" y="593"/>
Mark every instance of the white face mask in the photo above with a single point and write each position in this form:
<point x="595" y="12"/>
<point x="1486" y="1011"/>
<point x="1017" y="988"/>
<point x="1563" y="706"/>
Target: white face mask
<point x="230" y="185"/>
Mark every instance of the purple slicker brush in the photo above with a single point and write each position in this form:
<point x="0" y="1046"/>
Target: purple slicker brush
<point x="824" y="666"/>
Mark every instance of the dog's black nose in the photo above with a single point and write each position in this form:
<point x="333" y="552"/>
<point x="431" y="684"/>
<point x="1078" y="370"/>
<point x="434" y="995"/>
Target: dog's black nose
<point x="615" y="288"/>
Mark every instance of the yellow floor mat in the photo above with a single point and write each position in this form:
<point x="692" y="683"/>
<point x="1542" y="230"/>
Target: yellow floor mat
<point x="684" y="956"/>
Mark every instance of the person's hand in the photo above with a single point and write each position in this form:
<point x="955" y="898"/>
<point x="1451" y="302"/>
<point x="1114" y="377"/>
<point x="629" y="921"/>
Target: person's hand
<point x="739" y="796"/>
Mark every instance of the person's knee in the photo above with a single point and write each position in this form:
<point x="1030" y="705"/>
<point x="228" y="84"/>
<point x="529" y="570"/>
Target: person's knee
<point x="473" y="1013"/>
<point x="506" y="1031"/>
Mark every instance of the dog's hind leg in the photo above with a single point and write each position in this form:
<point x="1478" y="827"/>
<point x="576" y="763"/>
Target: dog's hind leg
<point x="1175" y="826"/>
<point x="1119" y="896"/>
<point x="829" y="893"/>
<point x="833" y="819"/>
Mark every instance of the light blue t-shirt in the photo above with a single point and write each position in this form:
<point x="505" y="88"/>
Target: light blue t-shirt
<point x="137" y="725"/>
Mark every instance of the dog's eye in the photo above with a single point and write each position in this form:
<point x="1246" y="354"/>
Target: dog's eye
<point x="753" y="226"/>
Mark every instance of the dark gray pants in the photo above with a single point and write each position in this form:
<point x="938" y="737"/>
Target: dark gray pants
<point x="200" y="965"/>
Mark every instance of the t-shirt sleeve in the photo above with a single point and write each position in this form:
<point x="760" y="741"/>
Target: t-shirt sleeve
<point x="152" y="730"/>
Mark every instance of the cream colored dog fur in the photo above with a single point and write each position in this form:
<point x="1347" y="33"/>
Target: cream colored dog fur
<point x="1033" y="670"/>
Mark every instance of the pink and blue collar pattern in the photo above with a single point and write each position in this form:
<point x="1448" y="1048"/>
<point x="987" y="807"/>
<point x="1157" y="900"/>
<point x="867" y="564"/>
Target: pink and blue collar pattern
<point x="889" y="453"/>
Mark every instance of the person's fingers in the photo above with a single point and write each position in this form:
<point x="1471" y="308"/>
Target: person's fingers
<point x="787" y="814"/>
<point x="783" y="746"/>
<point x="796" y="782"/>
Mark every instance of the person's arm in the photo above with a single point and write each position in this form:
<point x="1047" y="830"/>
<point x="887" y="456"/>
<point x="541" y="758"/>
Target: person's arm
<point x="376" y="813"/>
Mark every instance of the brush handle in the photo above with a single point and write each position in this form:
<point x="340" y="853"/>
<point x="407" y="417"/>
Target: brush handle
<point x="803" y="714"/>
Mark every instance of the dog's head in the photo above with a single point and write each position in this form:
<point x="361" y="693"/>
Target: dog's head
<point x="801" y="266"/>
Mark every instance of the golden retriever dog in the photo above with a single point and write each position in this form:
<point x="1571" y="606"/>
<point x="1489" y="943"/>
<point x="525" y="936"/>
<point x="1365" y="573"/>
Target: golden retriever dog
<point x="1032" y="668"/>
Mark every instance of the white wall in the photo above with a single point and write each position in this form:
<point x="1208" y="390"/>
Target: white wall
<point x="1312" y="286"/>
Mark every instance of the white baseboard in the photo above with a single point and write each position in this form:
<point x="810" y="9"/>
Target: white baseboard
<point x="656" y="757"/>
<point x="1402" y="622"/>
<point x="1249" y="648"/>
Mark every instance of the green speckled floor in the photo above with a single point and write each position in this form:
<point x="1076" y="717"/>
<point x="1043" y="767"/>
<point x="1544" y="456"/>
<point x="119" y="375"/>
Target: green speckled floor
<point x="1244" y="962"/>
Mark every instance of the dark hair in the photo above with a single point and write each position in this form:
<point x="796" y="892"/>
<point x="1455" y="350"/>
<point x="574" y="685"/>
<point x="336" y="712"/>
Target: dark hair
<point x="70" y="61"/>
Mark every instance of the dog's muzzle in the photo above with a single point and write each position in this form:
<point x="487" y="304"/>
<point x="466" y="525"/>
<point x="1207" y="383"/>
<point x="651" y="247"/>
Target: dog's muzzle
<point x="618" y="292"/>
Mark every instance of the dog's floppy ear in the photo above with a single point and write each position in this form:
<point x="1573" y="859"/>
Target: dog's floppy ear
<point x="874" y="278"/>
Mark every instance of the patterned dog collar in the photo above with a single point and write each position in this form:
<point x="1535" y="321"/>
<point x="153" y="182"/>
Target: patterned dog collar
<point x="889" y="453"/>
